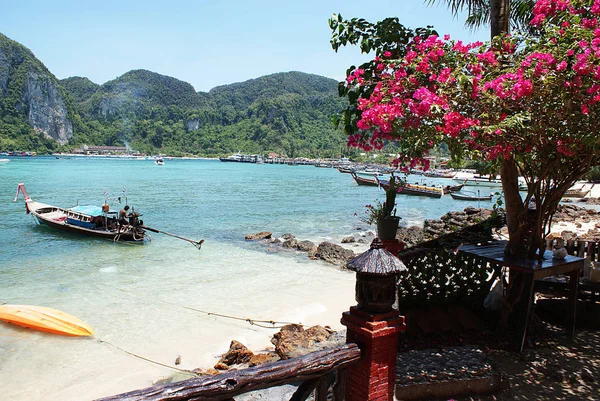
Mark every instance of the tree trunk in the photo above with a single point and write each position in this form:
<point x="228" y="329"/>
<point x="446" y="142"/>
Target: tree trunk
<point x="499" y="17"/>
<point x="525" y="222"/>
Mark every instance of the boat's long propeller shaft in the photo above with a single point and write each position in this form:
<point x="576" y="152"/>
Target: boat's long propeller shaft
<point x="197" y="244"/>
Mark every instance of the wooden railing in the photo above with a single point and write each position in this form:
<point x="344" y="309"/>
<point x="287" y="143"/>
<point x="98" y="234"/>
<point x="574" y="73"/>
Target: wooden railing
<point x="582" y="248"/>
<point x="321" y="372"/>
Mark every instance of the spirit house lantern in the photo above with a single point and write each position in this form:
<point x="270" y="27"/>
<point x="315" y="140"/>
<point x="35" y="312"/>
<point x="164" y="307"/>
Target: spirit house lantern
<point x="376" y="271"/>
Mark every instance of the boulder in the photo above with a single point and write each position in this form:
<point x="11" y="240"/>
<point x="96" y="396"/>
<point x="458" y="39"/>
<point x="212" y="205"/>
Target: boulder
<point x="292" y="340"/>
<point x="259" y="359"/>
<point x="287" y="236"/>
<point x="306" y="246"/>
<point x="334" y="254"/>
<point x="410" y="236"/>
<point x="238" y="353"/>
<point x="258" y="236"/>
<point x="348" y="240"/>
<point x="290" y="243"/>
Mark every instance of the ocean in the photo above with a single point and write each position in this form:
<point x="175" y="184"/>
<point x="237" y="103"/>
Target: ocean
<point x="152" y="299"/>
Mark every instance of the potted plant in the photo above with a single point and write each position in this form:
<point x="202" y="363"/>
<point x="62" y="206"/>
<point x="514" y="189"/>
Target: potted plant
<point x="384" y="214"/>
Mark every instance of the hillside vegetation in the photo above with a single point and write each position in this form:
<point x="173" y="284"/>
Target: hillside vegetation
<point x="286" y="113"/>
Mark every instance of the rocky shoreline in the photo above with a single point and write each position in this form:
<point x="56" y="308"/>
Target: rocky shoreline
<point x="294" y="340"/>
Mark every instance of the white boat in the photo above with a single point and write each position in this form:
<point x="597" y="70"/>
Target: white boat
<point x="480" y="182"/>
<point x="4" y="160"/>
<point x="159" y="161"/>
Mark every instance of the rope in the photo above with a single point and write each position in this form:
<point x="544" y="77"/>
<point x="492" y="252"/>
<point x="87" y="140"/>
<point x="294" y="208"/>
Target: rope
<point x="254" y="322"/>
<point x="147" y="359"/>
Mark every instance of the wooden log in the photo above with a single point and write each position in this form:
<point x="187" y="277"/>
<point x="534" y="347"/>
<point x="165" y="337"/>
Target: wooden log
<point x="227" y="385"/>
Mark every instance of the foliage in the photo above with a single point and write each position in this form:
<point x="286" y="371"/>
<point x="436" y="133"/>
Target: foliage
<point x="529" y="104"/>
<point x="479" y="12"/>
<point x="17" y="64"/>
<point x="594" y="174"/>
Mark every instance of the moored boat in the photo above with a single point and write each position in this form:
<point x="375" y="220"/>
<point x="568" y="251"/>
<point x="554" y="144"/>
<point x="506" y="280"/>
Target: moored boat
<point x="415" y="189"/>
<point x="577" y="192"/>
<point x="480" y="182"/>
<point x="88" y="220"/>
<point x="159" y="161"/>
<point x="470" y="196"/>
<point x="360" y="180"/>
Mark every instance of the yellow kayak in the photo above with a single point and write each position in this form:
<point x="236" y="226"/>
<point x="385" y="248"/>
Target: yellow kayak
<point x="44" y="319"/>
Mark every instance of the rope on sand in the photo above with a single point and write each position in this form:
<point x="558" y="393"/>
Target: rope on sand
<point x="267" y="324"/>
<point x="187" y="372"/>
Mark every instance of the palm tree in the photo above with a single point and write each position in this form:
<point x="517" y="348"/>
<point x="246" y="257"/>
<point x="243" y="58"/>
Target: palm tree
<point x="501" y="15"/>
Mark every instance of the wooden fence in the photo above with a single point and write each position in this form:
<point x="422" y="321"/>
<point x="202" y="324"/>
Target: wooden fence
<point x="322" y="373"/>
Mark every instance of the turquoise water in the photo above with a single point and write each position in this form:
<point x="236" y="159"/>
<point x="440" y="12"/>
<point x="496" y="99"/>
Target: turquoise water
<point x="134" y="295"/>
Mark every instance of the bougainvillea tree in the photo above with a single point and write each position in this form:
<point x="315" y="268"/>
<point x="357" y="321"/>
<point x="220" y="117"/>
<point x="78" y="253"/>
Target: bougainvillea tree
<point x="531" y="104"/>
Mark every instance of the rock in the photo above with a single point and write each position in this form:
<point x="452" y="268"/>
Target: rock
<point x="204" y="372"/>
<point x="334" y="254"/>
<point x="317" y="333"/>
<point x="178" y="360"/>
<point x="259" y="359"/>
<point x="238" y="353"/>
<point x="292" y="340"/>
<point x="306" y="246"/>
<point x="348" y="240"/>
<point x="287" y="236"/>
<point x="258" y="236"/>
<point x="221" y="366"/>
<point x="28" y="88"/>
<point x="290" y="243"/>
<point x="410" y="236"/>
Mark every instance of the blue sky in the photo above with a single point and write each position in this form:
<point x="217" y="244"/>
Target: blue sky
<point x="205" y="43"/>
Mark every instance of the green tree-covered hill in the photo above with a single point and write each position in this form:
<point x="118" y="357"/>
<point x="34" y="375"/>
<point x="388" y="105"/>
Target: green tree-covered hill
<point x="286" y="113"/>
<point x="35" y="111"/>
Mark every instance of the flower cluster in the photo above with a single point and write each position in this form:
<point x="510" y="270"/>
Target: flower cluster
<point x="536" y="97"/>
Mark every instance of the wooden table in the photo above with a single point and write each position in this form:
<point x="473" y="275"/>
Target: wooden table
<point x="532" y="269"/>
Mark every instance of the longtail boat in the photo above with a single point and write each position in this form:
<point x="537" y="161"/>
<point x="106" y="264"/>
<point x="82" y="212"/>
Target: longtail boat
<point x="470" y="196"/>
<point x="414" y="189"/>
<point x="577" y="192"/>
<point x="365" y="181"/>
<point x="88" y="220"/>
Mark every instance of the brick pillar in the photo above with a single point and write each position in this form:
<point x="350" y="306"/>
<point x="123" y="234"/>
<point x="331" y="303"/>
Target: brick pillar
<point x="373" y="377"/>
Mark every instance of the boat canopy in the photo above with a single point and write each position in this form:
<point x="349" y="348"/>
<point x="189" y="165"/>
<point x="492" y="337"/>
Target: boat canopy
<point x="89" y="210"/>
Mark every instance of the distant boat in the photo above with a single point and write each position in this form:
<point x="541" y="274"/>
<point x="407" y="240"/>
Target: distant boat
<point x="415" y="189"/>
<point x="480" y="182"/>
<point x="577" y="192"/>
<point x="470" y="196"/>
<point x="440" y="173"/>
<point x="240" y="158"/>
<point x="360" y="180"/>
<point x="88" y="220"/>
<point x="4" y="160"/>
<point x="159" y="161"/>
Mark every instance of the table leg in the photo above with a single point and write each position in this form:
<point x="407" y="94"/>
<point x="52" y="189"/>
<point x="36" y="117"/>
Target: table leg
<point x="572" y="307"/>
<point x="521" y="293"/>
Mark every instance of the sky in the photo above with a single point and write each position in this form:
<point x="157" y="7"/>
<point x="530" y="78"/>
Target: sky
<point x="205" y="43"/>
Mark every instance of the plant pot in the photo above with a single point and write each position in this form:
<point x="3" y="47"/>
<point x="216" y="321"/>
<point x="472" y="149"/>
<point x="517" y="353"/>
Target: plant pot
<point x="387" y="227"/>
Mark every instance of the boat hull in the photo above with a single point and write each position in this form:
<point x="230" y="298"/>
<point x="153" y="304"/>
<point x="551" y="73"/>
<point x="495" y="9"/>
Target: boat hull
<point x="56" y="218"/>
<point x="44" y="319"/>
<point x="459" y="196"/>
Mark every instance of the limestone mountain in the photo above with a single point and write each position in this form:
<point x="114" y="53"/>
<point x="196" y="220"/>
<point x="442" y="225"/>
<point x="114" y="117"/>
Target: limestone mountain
<point x="287" y="112"/>
<point x="136" y="93"/>
<point x="32" y="101"/>
<point x="80" y="88"/>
